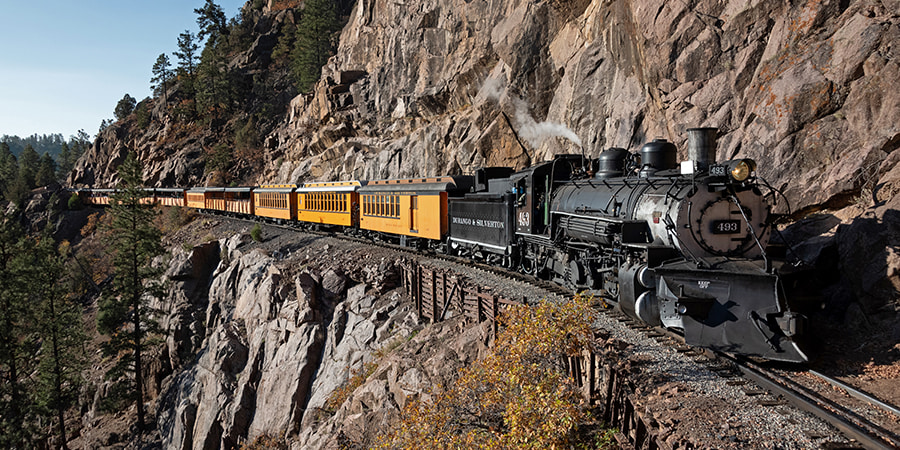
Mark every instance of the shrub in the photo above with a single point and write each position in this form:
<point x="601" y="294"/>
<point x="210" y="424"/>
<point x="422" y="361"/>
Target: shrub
<point x="265" y="442"/>
<point x="172" y="218"/>
<point x="519" y="396"/>
<point x="256" y="233"/>
<point x="75" y="202"/>
<point x="342" y="393"/>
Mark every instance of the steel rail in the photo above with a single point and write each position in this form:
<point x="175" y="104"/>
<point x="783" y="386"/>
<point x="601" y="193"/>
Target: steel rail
<point x="859" y="395"/>
<point x="848" y="422"/>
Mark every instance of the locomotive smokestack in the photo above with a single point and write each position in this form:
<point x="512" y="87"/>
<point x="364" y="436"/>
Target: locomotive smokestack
<point x="702" y="146"/>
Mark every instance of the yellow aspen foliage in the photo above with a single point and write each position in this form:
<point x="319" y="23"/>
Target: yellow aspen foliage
<point x="518" y="396"/>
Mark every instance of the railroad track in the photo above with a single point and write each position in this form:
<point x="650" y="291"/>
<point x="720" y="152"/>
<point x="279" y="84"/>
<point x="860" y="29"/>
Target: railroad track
<point x="853" y="424"/>
<point x="870" y="423"/>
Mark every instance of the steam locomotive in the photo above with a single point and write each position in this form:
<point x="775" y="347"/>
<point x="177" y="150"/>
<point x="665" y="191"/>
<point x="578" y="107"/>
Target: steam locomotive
<point x="678" y="245"/>
<point x="683" y="246"/>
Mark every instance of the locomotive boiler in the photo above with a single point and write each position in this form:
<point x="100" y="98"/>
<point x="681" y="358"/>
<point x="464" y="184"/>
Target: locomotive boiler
<point x="681" y="246"/>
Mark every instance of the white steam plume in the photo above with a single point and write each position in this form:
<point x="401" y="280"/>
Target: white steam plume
<point x="529" y="129"/>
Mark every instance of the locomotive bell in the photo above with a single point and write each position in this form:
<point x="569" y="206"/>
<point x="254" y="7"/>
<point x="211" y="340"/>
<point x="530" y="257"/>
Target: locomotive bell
<point x="658" y="155"/>
<point x="702" y="147"/>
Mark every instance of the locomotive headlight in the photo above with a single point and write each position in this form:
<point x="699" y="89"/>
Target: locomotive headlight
<point x="740" y="169"/>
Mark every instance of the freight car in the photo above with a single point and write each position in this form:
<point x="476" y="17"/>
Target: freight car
<point x="678" y="245"/>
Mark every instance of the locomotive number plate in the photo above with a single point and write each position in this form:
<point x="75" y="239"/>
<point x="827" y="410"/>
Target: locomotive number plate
<point x="718" y="170"/>
<point x="726" y="226"/>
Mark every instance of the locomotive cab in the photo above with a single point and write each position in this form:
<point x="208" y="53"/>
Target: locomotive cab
<point x="533" y="188"/>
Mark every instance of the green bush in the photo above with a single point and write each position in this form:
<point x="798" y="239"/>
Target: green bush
<point x="256" y="233"/>
<point x="75" y="202"/>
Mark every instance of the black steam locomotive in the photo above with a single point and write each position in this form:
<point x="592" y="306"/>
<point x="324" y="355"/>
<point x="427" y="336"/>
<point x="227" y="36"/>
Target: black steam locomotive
<point x="682" y="246"/>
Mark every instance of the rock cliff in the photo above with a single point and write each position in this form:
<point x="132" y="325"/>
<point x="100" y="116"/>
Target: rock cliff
<point x="416" y="89"/>
<point x="449" y="86"/>
<point x="275" y="334"/>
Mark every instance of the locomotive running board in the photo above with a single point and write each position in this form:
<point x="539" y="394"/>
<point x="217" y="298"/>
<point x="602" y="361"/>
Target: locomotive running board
<point x="732" y="307"/>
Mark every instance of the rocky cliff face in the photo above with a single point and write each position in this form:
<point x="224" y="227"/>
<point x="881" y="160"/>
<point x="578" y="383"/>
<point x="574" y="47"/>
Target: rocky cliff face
<point x="261" y="339"/>
<point x="804" y="88"/>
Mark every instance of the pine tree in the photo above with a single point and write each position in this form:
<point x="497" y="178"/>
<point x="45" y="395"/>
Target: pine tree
<point x="65" y="163"/>
<point x="212" y="23"/>
<point x="187" y="53"/>
<point x="187" y="64"/>
<point x="46" y="172"/>
<point x="315" y="41"/>
<point x="125" y="315"/>
<point x="79" y="143"/>
<point x="29" y="161"/>
<point x="213" y="88"/>
<point x="125" y="107"/>
<point x="15" y="403"/>
<point x="59" y="327"/>
<point x="9" y="168"/>
<point x="161" y="76"/>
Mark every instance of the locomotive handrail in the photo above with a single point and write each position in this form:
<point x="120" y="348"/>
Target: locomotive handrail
<point x="762" y="250"/>
<point x="670" y="228"/>
<point x="613" y="197"/>
<point x="669" y="193"/>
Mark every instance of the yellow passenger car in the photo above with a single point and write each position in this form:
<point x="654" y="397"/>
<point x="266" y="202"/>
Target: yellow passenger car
<point x="149" y="197"/>
<point x="196" y="198"/>
<point x="238" y="201"/>
<point x="214" y="198"/>
<point x="233" y="200"/>
<point x="329" y="203"/>
<point x="99" y="196"/>
<point x="275" y="202"/>
<point x="415" y="207"/>
<point x="170" y="196"/>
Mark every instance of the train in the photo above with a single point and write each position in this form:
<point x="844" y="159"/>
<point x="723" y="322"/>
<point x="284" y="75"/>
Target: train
<point x="680" y="245"/>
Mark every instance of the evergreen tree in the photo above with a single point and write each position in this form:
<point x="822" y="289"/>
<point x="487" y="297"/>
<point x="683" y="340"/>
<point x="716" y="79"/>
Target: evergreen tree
<point x="79" y="143"/>
<point x="125" y="315"/>
<point x="9" y="168"/>
<point x="15" y="404"/>
<point x="65" y="163"/>
<point x="161" y="76"/>
<point x="187" y="53"/>
<point x="29" y="161"/>
<point x="125" y="107"/>
<point x="214" y="91"/>
<point x="59" y="327"/>
<point x="212" y="23"/>
<point x="187" y="63"/>
<point x="104" y="124"/>
<point x="315" y="41"/>
<point x="46" y="172"/>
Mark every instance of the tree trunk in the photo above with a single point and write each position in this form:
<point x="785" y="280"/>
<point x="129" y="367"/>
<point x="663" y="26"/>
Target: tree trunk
<point x="136" y="304"/>
<point x="57" y="372"/>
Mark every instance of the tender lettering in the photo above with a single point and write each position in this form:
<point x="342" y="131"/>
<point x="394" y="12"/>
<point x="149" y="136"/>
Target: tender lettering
<point x="481" y="223"/>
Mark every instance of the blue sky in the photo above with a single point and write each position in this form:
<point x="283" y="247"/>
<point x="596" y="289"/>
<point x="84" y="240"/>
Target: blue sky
<point x="65" y="64"/>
